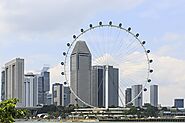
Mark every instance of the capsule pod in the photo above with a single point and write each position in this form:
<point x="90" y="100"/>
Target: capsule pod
<point x="81" y="30"/>
<point x="144" y="42"/>
<point x="68" y="44"/>
<point x="90" y="25"/>
<point x="100" y="23"/>
<point x="120" y="24"/>
<point x="110" y="23"/>
<point x="74" y="36"/>
<point x="137" y="35"/>
<point x="62" y="73"/>
<point x="62" y="63"/>
<point x="64" y="53"/>
<point x="151" y="71"/>
<point x="129" y="29"/>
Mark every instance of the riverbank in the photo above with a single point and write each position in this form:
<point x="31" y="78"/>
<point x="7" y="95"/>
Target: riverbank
<point x="144" y="120"/>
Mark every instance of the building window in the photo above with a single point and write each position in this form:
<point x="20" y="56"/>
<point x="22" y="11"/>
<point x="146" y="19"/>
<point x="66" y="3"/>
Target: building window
<point x="55" y="93"/>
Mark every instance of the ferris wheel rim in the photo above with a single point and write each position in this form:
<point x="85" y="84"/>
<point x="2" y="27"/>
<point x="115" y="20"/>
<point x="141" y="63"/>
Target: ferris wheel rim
<point x="112" y="26"/>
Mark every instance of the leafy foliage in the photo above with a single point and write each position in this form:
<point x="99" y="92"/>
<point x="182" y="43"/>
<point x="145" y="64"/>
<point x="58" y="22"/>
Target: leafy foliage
<point x="151" y="111"/>
<point x="8" y="112"/>
<point x="147" y="111"/>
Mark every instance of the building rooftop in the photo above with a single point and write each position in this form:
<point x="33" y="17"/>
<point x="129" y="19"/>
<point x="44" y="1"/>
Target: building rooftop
<point x="80" y="47"/>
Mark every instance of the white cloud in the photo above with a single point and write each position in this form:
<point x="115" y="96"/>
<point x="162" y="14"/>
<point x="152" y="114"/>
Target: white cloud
<point x="155" y="10"/>
<point x="170" y="44"/>
<point x="32" y="20"/>
<point x="165" y="50"/>
<point x="175" y="37"/>
<point x="55" y="74"/>
<point x="168" y="74"/>
<point x="52" y="15"/>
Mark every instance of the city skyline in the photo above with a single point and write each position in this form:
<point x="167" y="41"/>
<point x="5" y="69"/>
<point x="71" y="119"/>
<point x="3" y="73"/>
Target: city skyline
<point x="61" y="95"/>
<point x="41" y="39"/>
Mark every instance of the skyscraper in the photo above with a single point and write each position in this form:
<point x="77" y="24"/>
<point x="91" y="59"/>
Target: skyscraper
<point x="14" y="79"/>
<point x="128" y="95"/>
<point x="58" y="94"/>
<point x="43" y="85"/>
<point x="40" y="90"/>
<point x="30" y="90"/>
<point x="49" y="98"/>
<point x="3" y="85"/>
<point x="67" y="94"/>
<point x="113" y="86"/>
<point x="179" y="103"/>
<point x="154" y="95"/>
<point x="80" y="72"/>
<point x="98" y="86"/>
<point x="137" y="95"/>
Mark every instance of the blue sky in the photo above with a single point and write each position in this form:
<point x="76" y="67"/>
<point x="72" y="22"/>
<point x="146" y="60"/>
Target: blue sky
<point x="39" y="30"/>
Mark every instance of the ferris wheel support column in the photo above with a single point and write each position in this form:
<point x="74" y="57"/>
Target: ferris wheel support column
<point x="106" y="86"/>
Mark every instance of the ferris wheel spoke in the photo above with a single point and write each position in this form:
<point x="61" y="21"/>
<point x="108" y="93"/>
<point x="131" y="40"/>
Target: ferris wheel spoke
<point x="100" y="39"/>
<point x="132" y="50"/>
<point x="114" y="46"/>
<point x="133" y="58"/>
<point x="113" y="39"/>
<point x="124" y="41"/>
<point x="125" y="48"/>
<point x="97" y="50"/>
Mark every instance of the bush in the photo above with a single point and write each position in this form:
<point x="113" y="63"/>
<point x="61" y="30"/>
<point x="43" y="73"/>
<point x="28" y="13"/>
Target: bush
<point x="8" y="112"/>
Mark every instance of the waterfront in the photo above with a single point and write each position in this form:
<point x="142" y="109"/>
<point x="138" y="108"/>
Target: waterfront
<point x="85" y="122"/>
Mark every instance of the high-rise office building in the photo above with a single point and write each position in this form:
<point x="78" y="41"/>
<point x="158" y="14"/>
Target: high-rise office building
<point x="43" y="86"/>
<point x="128" y="96"/>
<point x="137" y="95"/>
<point x="154" y="95"/>
<point x="30" y="90"/>
<point x="14" y="79"/>
<point x="49" y="98"/>
<point x="179" y="103"/>
<point x="3" y="85"/>
<point x="40" y="90"/>
<point x="113" y="86"/>
<point x="80" y="72"/>
<point x="58" y="94"/>
<point x="67" y="94"/>
<point x="98" y="85"/>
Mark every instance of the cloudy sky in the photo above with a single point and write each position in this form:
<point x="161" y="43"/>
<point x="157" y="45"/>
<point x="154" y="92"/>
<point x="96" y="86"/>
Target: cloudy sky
<point x="37" y="30"/>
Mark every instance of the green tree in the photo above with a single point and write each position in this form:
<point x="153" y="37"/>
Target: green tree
<point x="8" y="112"/>
<point x="150" y="111"/>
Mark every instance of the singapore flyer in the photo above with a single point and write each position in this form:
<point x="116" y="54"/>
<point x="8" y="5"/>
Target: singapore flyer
<point x="107" y="65"/>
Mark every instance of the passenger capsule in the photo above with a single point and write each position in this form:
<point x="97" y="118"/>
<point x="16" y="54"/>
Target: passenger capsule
<point x="100" y="23"/>
<point x="62" y="63"/>
<point x="74" y="36"/>
<point x="90" y="26"/>
<point x="64" y="53"/>
<point x="68" y="44"/>
<point x="82" y="30"/>
<point x="129" y="29"/>
<point x="143" y="42"/>
<point x="110" y="23"/>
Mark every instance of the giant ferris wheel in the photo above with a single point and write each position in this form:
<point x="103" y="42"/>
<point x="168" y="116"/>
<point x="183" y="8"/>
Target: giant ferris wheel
<point x="113" y="45"/>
